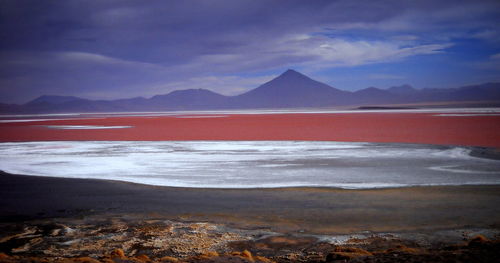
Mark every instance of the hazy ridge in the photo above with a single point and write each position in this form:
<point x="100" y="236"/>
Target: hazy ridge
<point x="289" y="90"/>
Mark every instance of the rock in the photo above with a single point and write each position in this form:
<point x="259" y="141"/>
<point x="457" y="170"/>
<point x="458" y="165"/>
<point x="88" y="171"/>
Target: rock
<point x="247" y="254"/>
<point x="404" y="249"/>
<point x="334" y="256"/>
<point x="55" y="232"/>
<point x="478" y="240"/>
<point x="353" y="250"/>
<point x="283" y="239"/>
<point x="346" y="254"/>
<point x="143" y="258"/>
<point x="24" y="248"/>
<point x="211" y="254"/>
<point x="168" y="259"/>
<point x="263" y="259"/>
<point x="81" y="260"/>
<point x="27" y="232"/>
<point x="117" y="253"/>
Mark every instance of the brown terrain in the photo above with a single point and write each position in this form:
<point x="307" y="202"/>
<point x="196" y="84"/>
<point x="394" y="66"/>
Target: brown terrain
<point x="119" y="239"/>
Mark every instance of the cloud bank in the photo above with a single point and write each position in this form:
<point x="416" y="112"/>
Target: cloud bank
<point x="113" y="49"/>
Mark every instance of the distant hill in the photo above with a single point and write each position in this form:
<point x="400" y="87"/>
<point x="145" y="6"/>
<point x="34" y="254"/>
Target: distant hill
<point x="402" y="90"/>
<point x="289" y="90"/>
<point x="54" y="99"/>
<point x="373" y="96"/>
<point x="190" y="99"/>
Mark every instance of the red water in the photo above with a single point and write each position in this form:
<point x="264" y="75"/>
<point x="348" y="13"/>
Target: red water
<point x="352" y="127"/>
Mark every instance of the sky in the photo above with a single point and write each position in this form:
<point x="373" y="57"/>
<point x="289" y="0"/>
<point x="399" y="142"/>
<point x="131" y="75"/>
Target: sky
<point x="120" y="49"/>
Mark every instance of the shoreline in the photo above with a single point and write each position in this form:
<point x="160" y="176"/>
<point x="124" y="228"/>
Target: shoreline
<point x="315" y="210"/>
<point x="278" y="188"/>
<point x="80" y="220"/>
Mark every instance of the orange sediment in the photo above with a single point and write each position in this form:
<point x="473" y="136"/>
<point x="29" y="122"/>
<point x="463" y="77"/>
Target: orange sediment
<point x="426" y="128"/>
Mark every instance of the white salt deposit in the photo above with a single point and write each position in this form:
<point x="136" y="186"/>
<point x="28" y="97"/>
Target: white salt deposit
<point x="85" y="127"/>
<point x="252" y="164"/>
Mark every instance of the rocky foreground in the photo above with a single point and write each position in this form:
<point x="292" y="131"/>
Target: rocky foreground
<point x="132" y="239"/>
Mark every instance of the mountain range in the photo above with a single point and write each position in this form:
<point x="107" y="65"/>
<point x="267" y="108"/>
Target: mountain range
<point x="289" y="90"/>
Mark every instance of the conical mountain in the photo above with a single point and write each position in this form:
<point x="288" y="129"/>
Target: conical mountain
<point x="290" y="89"/>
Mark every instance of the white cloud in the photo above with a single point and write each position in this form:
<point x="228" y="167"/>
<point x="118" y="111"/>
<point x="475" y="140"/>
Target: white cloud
<point x="313" y="51"/>
<point x="67" y="58"/>
<point x="327" y="52"/>
<point x="487" y="34"/>
<point x="405" y="37"/>
<point x="86" y="57"/>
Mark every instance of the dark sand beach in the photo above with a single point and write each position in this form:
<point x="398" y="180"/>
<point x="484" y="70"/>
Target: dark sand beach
<point x="312" y="210"/>
<point x="300" y="216"/>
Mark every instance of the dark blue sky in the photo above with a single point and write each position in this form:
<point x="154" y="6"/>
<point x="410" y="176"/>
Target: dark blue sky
<point x="119" y="49"/>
